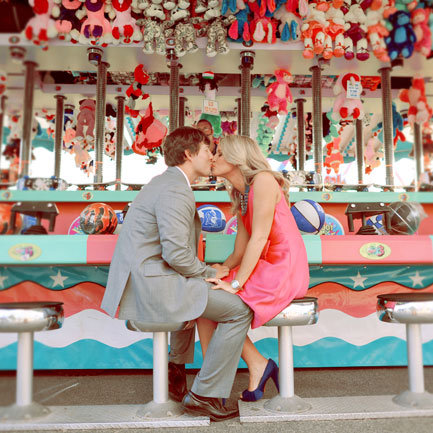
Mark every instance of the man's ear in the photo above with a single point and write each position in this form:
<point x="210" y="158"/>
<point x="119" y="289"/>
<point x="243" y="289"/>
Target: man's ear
<point x="188" y="155"/>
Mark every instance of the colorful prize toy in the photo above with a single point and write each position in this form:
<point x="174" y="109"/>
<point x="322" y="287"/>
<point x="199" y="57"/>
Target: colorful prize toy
<point x="309" y="216"/>
<point x="98" y="219"/>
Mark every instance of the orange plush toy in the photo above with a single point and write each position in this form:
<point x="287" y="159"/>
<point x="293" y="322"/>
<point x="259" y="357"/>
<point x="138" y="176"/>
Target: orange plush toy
<point x="333" y="158"/>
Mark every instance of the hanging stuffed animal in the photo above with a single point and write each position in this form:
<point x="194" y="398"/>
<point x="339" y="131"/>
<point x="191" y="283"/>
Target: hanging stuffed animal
<point x="86" y="119"/>
<point x="289" y="24"/>
<point x="135" y="91"/>
<point x="344" y="107"/>
<point x="95" y="29"/>
<point x="67" y="22"/>
<point x="41" y="27"/>
<point x="355" y="34"/>
<point x="376" y="34"/>
<point x="372" y="154"/>
<point x="279" y="93"/>
<point x="420" y="21"/>
<point x="401" y="39"/>
<point x="124" y="27"/>
<point x="419" y="109"/>
<point x="313" y="31"/>
<point x="3" y="79"/>
<point x="333" y="157"/>
<point x="217" y="36"/>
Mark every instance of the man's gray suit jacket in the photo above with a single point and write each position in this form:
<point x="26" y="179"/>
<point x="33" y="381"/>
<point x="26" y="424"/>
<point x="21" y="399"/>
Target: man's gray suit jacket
<point x="155" y="274"/>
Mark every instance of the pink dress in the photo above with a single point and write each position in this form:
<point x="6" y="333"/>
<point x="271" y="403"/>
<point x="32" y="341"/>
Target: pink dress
<point x="281" y="273"/>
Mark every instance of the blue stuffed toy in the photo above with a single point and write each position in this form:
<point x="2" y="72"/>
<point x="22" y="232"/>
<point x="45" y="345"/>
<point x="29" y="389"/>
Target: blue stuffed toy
<point x="401" y="39"/>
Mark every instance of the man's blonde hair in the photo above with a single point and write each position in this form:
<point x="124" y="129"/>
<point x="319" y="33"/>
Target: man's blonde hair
<point x="245" y="153"/>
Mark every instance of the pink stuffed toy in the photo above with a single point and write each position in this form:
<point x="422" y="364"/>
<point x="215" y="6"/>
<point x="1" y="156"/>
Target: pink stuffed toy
<point x="41" y="27"/>
<point x="124" y="26"/>
<point x="67" y="22"/>
<point x="372" y="154"/>
<point x="419" y="110"/>
<point x="82" y="158"/>
<point x="95" y="29"/>
<point x="279" y="92"/>
<point x="86" y="118"/>
<point x="333" y="157"/>
<point x="345" y="108"/>
<point x="420" y="22"/>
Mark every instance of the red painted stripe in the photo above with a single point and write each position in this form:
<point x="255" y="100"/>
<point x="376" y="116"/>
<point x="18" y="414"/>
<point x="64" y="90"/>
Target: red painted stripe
<point x="100" y="249"/>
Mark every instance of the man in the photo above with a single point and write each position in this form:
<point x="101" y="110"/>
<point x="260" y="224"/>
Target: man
<point x="155" y="276"/>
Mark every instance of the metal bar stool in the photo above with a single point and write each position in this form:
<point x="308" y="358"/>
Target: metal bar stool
<point x="299" y="312"/>
<point x="161" y="406"/>
<point x="25" y="318"/>
<point x="412" y="309"/>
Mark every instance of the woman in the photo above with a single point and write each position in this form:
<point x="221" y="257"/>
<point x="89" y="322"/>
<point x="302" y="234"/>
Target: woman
<point x="268" y="267"/>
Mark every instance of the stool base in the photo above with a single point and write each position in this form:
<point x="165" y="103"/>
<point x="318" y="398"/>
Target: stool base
<point x="283" y="405"/>
<point x="23" y="413"/>
<point x="416" y="400"/>
<point x="153" y="410"/>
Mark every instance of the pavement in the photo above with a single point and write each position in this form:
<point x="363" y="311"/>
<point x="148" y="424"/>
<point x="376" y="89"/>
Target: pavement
<point x="74" y="387"/>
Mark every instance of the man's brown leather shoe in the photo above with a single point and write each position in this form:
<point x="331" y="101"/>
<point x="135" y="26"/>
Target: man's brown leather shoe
<point x="208" y="406"/>
<point x="176" y="381"/>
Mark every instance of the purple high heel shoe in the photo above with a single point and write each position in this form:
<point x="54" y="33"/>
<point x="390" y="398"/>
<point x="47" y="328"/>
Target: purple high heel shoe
<point x="271" y="371"/>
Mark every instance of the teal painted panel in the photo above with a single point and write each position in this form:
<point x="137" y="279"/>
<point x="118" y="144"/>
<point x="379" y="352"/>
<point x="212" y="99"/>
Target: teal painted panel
<point x="313" y="246"/>
<point x="68" y="196"/>
<point x="218" y="247"/>
<point x="43" y="250"/>
<point x="212" y="196"/>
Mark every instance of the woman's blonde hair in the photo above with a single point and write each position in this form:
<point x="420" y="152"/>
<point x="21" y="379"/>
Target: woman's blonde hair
<point x="246" y="154"/>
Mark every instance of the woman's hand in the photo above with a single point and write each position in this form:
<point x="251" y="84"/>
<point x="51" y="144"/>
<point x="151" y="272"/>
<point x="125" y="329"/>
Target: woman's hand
<point x="222" y="271"/>
<point x="223" y="285"/>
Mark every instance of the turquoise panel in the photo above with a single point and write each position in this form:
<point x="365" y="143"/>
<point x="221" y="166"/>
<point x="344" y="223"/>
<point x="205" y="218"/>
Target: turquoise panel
<point x="313" y="246"/>
<point x="43" y="250"/>
<point x="218" y="247"/>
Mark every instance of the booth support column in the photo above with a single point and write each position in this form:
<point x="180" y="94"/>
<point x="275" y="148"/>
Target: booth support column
<point x="26" y="144"/>
<point x="2" y="118"/>
<point x="387" y="124"/>
<point x="359" y="150"/>
<point x="417" y="150"/>
<point x="317" y="118"/>
<point x="300" y="118"/>
<point x="247" y="63"/>
<point x="173" y="63"/>
<point x="58" y="138"/>
<point x="119" y="138"/>
<point x="182" y="101"/>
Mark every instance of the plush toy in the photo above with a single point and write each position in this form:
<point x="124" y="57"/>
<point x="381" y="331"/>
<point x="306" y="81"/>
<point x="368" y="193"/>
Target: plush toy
<point x="372" y="154"/>
<point x="86" y="118"/>
<point x="124" y="27"/>
<point x="208" y="85"/>
<point x="82" y="158"/>
<point x="213" y="9"/>
<point x="401" y="39"/>
<point x="333" y="157"/>
<point x="355" y="34"/>
<point x="178" y="10"/>
<point x="420" y="22"/>
<point x="290" y="24"/>
<point x="345" y="108"/>
<point x="3" y="79"/>
<point x="155" y="10"/>
<point x="135" y="91"/>
<point x="279" y="92"/>
<point x="313" y="31"/>
<point x="419" y="110"/>
<point x="334" y="33"/>
<point x="217" y="36"/>
<point x="67" y="22"/>
<point x="154" y="35"/>
<point x="185" y="38"/>
<point x="41" y="27"/>
<point x="376" y="34"/>
<point x="95" y="29"/>
<point x="239" y="29"/>
<point x="149" y="133"/>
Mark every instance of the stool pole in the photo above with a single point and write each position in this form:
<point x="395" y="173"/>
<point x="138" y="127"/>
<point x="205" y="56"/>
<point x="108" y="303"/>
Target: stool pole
<point x="285" y="354"/>
<point x="414" y="357"/>
<point x="160" y="367"/>
<point x="24" y="391"/>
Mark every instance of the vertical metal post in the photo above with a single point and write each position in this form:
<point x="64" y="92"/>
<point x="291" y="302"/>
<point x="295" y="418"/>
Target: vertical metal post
<point x="24" y="386"/>
<point x="247" y="63"/>
<point x="26" y="142"/>
<point x="317" y="118"/>
<point x="239" y="109"/>
<point x="173" y="63"/>
<point x="101" y="84"/>
<point x="387" y="124"/>
<point x="2" y="118"/>
<point x="58" y="138"/>
<point x="414" y="357"/>
<point x="359" y="150"/>
<point x="160" y="367"/>
<point x="285" y="356"/>
<point x="300" y="118"/>
<point x="417" y="153"/>
<point x="182" y="101"/>
<point x="119" y="138"/>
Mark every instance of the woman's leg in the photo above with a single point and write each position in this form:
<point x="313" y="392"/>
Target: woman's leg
<point x="205" y="328"/>
<point x="256" y="363"/>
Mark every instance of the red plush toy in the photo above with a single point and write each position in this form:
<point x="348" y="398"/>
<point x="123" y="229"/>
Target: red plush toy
<point x="135" y="91"/>
<point x="124" y="26"/>
<point x="279" y="93"/>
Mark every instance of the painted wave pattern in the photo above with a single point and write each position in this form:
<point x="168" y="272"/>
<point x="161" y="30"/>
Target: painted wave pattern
<point x="356" y="278"/>
<point x="93" y="340"/>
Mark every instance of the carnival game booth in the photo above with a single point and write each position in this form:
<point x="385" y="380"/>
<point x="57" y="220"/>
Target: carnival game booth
<point x="320" y="104"/>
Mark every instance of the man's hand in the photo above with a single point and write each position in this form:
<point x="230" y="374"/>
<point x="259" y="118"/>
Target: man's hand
<point x="222" y="271"/>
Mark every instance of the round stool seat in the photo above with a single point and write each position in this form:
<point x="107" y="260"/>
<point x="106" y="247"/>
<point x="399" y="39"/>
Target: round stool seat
<point x="303" y="311"/>
<point x="134" y="325"/>
<point x="30" y="316"/>
<point x="405" y="307"/>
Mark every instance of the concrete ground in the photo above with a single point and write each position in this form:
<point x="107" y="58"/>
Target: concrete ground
<point x="54" y="388"/>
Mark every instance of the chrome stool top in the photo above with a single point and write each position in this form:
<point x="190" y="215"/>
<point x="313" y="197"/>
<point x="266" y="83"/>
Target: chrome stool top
<point x="30" y="316"/>
<point x="405" y="307"/>
<point x="303" y="311"/>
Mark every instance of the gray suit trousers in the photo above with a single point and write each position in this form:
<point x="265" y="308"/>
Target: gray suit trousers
<point x="216" y="377"/>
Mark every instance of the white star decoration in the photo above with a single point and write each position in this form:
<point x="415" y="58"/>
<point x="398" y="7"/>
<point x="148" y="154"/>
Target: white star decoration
<point x="58" y="279"/>
<point x="2" y="281"/>
<point x="416" y="279"/>
<point x="358" y="280"/>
